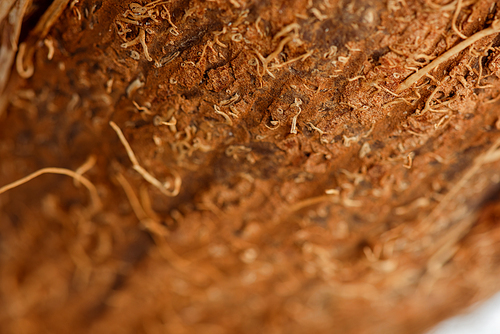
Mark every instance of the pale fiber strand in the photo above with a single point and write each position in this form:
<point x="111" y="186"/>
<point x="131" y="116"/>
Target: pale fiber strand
<point x="495" y="28"/>
<point x="96" y="203"/>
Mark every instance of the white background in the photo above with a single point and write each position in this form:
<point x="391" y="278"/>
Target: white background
<point x="481" y="319"/>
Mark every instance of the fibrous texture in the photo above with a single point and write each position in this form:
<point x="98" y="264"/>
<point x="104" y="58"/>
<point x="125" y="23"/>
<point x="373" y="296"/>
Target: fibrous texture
<point x="297" y="166"/>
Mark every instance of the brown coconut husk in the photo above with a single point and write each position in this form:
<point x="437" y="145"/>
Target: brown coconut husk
<point x="247" y="166"/>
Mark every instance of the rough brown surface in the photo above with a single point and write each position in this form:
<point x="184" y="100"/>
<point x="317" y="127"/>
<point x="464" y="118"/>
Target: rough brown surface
<point x="313" y="197"/>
